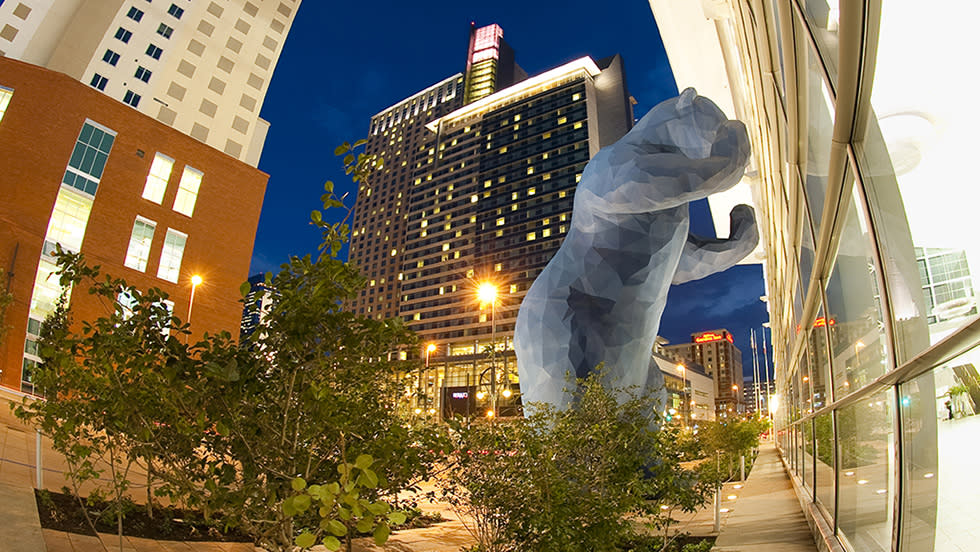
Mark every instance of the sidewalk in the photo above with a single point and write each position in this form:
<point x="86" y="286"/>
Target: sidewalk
<point x="766" y="515"/>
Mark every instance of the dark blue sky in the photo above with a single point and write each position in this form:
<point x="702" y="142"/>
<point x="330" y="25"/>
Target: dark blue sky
<point x="344" y="62"/>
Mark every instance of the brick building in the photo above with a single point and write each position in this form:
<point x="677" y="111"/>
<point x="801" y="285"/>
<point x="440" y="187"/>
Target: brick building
<point x="143" y="200"/>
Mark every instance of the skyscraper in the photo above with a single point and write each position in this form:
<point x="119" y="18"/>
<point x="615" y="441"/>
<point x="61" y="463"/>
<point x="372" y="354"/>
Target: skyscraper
<point x="716" y="351"/>
<point x="478" y="192"/>
<point x="201" y="67"/>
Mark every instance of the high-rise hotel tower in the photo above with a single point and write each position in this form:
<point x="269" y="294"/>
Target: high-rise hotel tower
<point x="202" y="67"/>
<point x="478" y="192"/>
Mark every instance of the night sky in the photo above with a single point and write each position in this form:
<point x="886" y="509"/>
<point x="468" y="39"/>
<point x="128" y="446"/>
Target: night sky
<point x="343" y="63"/>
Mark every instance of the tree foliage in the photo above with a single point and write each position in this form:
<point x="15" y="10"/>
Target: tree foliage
<point x="574" y="479"/>
<point x="231" y="428"/>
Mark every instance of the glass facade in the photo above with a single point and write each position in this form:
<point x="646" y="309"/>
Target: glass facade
<point x="866" y="140"/>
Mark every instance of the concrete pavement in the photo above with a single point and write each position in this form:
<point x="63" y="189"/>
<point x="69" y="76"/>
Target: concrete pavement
<point x="765" y="516"/>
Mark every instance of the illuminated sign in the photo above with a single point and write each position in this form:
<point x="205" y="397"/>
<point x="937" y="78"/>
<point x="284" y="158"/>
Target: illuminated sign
<point x="461" y="395"/>
<point x="708" y="337"/>
<point x="486" y="43"/>
<point x="821" y="322"/>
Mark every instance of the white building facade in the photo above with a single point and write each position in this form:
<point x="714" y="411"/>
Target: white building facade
<point x="201" y="67"/>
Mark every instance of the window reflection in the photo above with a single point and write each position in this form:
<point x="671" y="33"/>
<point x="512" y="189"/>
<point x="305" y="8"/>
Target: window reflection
<point x="820" y="129"/>
<point x="824" y="19"/>
<point x="866" y="449"/>
<point x="941" y="432"/>
<point x="854" y="308"/>
<point x="824" y="431"/>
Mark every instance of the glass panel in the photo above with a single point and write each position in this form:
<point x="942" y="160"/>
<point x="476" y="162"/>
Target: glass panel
<point x="819" y="362"/>
<point x="940" y="435"/>
<point x="190" y="182"/>
<point x="916" y="153"/>
<point x="46" y="290"/>
<point x="5" y="95"/>
<point x="170" y="258"/>
<point x="854" y="308"/>
<point x="823" y="17"/>
<point x="825" y="461"/>
<point x="140" y="241"/>
<point x="807" y="251"/>
<point x="867" y="449"/>
<point x="820" y="128"/>
<point x="156" y="180"/>
<point x="68" y="220"/>
<point x="806" y="454"/>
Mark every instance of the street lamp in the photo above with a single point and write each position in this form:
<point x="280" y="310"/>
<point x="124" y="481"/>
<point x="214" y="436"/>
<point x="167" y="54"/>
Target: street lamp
<point x="735" y="395"/>
<point x="684" y="384"/>
<point x="487" y="293"/>
<point x="195" y="281"/>
<point x="429" y="349"/>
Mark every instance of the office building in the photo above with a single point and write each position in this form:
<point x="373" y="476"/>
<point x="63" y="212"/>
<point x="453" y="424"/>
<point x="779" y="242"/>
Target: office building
<point x="690" y="390"/>
<point x="476" y="193"/>
<point x="258" y="303"/>
<point x="146" y="202"/>
<point x="201" y="67"/>
<point x="716" y="351"/>
<point x="863" y="138"/>
<point x="764" y="389"/>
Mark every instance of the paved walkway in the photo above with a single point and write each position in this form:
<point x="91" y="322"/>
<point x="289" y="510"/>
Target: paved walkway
<point x="766" y="515"/>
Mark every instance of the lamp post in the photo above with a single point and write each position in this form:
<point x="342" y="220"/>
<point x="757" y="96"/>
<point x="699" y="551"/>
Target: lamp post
<point x="195" y="281"/>
<point x="487" y="293"/>
<point x="684" y="384"/>
<point x="735" y="396"/>
<point x="429" y="349"/>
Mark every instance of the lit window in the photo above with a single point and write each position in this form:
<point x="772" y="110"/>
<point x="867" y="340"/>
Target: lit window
<point x="143" y="74"/>
<point x="447" y="226"/>
<point x="156" y="181"/>
<point x="175" y="11"/>
<point x="546" y="176"/>
<point x="110" y="57"/>
<point x="123" y="35"/>
<point x="469" y="273"/>
<point x="98" y="82"/>
<point x="503" y="149"/>
<point x="190" y="183"/>
<point x="498" y="267"/>
<point x="578" y="125"/>
<point x="154" y="51"/>
<point x="88" y="159"/>
<point x="5" y="95"/>
<point x="531" y="236"/>
<point x="132" y="98"/>
<point x="173" y="253"/>
<point x="530" y="170"/>
<point x="473" y="218"/>
<point x="474" y="198"/>
<point x="424" y="223"/>
<point x="138" y="253"/>
<point x="68" y="221"/>
<point x="562" y="120"/>
<point x="500" y="233"/>
<point x="513" y="196"/>
<point x="546" y="232"/>
<point x="500" y="221"/>
<point x="513" y="288"/>
<point x="135" y="14"/>
<point x="517" y="118"/>
<point x="575" y="97"/>
<point x="562" y="193"/>
<point x="394" y="252"/>
<point x="578" y="177"/>
<point x="546" y="135"/>
<point x="164" y="31"/>
<point x="445" y="247"/>
<point x="483" y="317"/>
<point x="531" y="191"/>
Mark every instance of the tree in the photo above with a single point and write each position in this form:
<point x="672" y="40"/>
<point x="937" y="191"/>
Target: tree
<point x="574" y="479"/>
<point x="231" y="428"/>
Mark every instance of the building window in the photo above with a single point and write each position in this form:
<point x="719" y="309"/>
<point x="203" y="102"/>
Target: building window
<point x="98" y="81"/>
<point x="135" y="14"/>
<point x="131" y="98"/>
<point x="164" y="31"/>
<point x="123" y="35"/>
<point x="88" y="159"/>
<point x="154" y="51"/>
<point x="110" y="57"/>
<point x="175" y="11"/>
<point x="68" y="221"/>
<point x="139" y="244"/>
<point x="5" y="95"/>
<point x="173" y="253"/>
<point x="190" y="182"/>
<point x="143" y="74"/>
<point x="156" y="181"/>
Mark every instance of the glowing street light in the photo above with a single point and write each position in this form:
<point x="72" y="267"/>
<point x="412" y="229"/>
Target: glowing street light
<point x="486" y="292"/>
<point x="429" y="349"/>
<point x="196" y="280"/>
